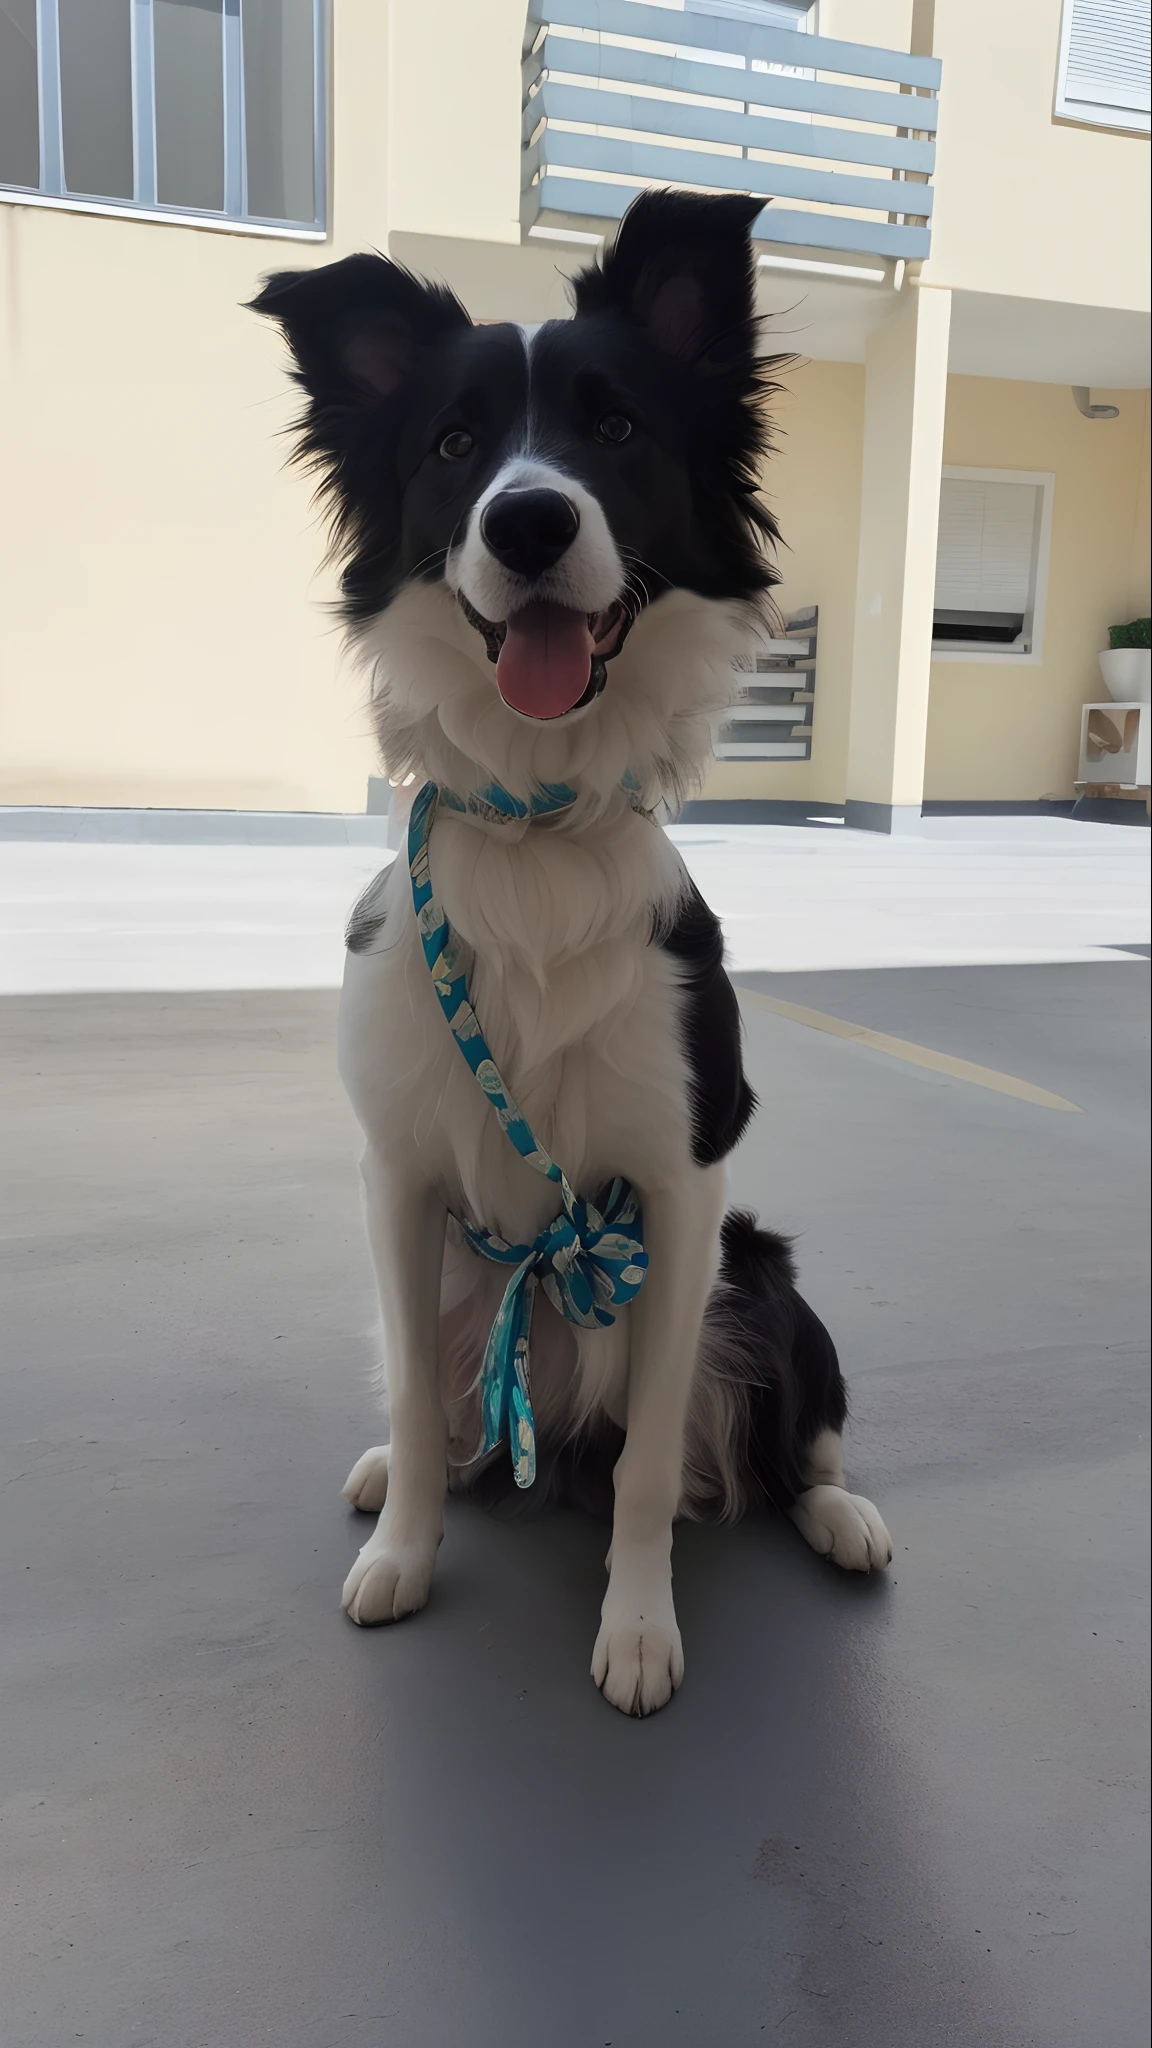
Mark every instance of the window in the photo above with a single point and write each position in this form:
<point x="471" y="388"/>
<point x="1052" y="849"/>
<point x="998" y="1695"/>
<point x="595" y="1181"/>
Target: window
<point x="19" y="120"/>
<point x="1103" y="75"/>
<point x="991" y="564"/>
<point x="796" y="16"/>
<point x="202" y="110"/>
<point x="789" y="14"/>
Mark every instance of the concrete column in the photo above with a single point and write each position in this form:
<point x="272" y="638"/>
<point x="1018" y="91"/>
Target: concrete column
<point x="905" y="384"/>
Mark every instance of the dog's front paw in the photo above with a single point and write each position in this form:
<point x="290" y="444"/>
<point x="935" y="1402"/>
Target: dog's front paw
<point x="366" y="1486"/>
<point x="638" y="1664"/>
<point x="387" y="1582"/>
<point x="843" y="1526"/>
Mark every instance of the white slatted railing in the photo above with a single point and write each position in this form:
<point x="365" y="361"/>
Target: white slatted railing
<point x="619" y="95"/>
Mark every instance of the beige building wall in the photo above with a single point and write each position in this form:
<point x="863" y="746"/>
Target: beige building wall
<point x="1025" y="204"/>
<point x="163" y="638"/>
<point x="997" y="731"/>
<point x="886" y="24"/>
<point x="454" y="128"/>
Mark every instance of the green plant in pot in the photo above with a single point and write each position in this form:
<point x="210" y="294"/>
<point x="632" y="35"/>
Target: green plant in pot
<point x="1126" y="662"/>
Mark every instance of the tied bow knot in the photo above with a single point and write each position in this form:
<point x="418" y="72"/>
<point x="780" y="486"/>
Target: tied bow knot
<point x="589" y="1260"/>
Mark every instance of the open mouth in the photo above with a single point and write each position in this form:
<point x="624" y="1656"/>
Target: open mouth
<point x="550" y="659"/>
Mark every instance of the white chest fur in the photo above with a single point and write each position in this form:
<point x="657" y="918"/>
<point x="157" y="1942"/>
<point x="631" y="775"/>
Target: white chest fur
<point x="579" y="1008"/>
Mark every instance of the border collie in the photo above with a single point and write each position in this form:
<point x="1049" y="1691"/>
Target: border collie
<point x="552" y="549"/>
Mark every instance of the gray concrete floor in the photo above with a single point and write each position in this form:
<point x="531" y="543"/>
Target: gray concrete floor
<point x="891" y="1814"/>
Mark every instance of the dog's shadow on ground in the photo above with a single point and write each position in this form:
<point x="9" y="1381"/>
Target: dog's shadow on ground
<point x="755" y="1794"/>
<point x="516" y="1599"/>
<point x="756" y="1606"/>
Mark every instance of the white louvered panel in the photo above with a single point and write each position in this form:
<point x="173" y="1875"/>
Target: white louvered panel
<point x="765" y="714"/>
<point x="1108" y="54"/>
<point x="763" y="750"/>
<point x="752" y="730"/>
<point x="986" y="545"/>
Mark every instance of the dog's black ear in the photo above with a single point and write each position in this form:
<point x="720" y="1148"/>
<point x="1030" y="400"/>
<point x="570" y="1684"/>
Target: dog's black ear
<point x="682" y="268"/>
<point x="356" y="327"/>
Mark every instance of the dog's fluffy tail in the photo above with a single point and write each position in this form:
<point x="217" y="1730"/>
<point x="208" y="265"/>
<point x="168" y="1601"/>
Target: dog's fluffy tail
<point x="767" y="1381"/>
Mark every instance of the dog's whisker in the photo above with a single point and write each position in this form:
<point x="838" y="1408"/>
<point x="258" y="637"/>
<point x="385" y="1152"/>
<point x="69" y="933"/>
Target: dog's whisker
<point x="435" y="555"/>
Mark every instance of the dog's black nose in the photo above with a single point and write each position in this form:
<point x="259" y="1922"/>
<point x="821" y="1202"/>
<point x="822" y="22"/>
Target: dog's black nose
<point x="529" y="530"/>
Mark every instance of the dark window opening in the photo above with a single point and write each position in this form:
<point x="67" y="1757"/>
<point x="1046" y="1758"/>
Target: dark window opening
<point x="992" y="629"/>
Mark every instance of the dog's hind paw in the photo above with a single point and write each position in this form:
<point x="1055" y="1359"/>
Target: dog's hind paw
<point x="844" y="1527"/>
<point x="386" y="1584"/>
<point x="366" y="1486"/>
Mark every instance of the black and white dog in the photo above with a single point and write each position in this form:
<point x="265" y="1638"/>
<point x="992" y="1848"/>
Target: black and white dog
<point x="553" y="547"/>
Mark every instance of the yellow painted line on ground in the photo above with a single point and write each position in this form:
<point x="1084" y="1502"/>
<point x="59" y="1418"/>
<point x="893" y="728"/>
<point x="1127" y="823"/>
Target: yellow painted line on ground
<point x="906" y="1049"/>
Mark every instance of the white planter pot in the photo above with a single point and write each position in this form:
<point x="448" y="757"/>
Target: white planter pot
<point x="1127" y="671"/>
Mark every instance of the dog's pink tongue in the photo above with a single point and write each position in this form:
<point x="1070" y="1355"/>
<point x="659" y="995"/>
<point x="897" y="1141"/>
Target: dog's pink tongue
<point x="543" y="667"/>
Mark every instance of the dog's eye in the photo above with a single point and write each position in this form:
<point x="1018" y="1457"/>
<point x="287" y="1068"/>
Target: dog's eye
<point x="614" y="427"/>
<point x="455" y="446"/>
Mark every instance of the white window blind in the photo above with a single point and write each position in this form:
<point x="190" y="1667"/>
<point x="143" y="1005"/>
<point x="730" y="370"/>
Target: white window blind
<point x="1104" y="63"/>
<point x="986" y="551"/>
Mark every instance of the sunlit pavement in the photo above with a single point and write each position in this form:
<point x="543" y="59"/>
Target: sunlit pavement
<point x="980" y="890"/>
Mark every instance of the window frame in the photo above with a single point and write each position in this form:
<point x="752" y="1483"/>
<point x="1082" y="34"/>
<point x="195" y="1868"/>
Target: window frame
<point x="1090" y="113"/>
<point x="1008" y="657"/>
<point x="144" y="205"/>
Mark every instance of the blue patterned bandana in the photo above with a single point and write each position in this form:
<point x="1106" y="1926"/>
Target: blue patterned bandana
<point x="591" y="1258"/>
